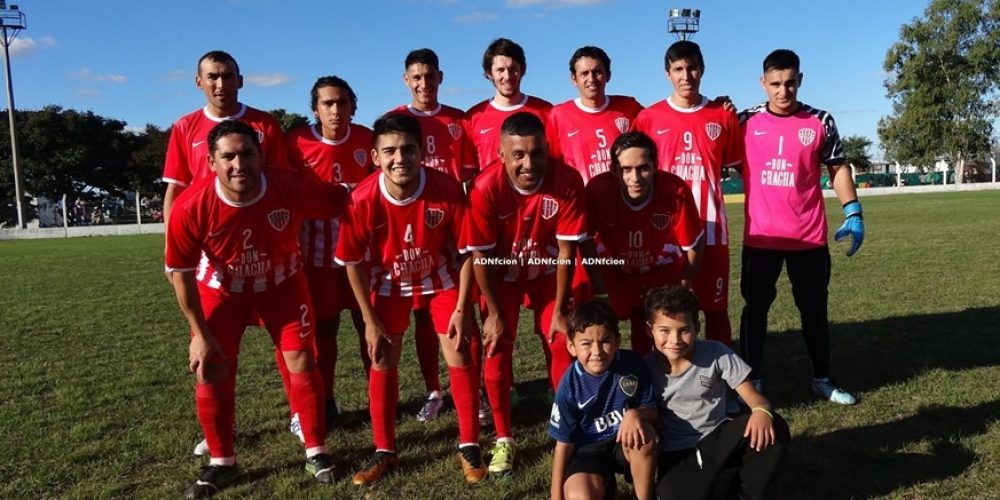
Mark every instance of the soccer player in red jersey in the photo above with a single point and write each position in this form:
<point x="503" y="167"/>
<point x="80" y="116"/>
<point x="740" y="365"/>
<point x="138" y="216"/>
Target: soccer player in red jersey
<point x="220" y="80"/>
<point x="580" y="131"/>
<point x="526" y="217"/>
<point x="447" y="148"/>
<point x="232" y="253"/>
<point x="337" y="151"/>
<point x="504" y="65"/>
<point x="645" y="229"/>
<point x="695" y="138"/>
<point x="401" y="244"/>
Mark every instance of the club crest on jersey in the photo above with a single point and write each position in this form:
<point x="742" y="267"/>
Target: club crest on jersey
<point x="807" y="136"/>
<point x="629" y="384"/>
<point x="433" y="217"/>
<point x="360" y="156"/>
<point x="260" y="136"/>
<point x="622" y="124"/>
<point x="279" y="218"/>
<point x="455" y="130"/>
<point x="660" y="221"/>
<point x="714" y="130"/>
<point x="550" y="207"/>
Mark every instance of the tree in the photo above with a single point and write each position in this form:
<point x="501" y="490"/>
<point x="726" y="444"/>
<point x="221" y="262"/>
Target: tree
<point x="943" y="84"/>
<point x="856" y="152"/>
<point x="288" y="120"/>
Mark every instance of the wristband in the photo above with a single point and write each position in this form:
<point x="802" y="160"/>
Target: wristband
<point x="600" y="296"/>
<point x="853" y="209"/>
<point x="762" y="410"/>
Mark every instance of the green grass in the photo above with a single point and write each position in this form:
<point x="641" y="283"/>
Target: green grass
<point x="95" y="400"/>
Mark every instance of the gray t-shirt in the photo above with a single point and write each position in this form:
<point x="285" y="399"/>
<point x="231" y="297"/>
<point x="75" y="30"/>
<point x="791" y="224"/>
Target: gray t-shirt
<point x="693" y="403"/>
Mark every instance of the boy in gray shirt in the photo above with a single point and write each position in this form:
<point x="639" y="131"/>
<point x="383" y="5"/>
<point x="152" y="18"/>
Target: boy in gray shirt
<point x="697" y="440"/>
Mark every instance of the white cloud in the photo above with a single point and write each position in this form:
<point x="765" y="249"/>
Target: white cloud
<point x="87" y="75"/>
<point x="24" y="45"/>
<point x="553" y="3"/>
<point x="268" y="79"/>
<point x="477" y="17"/>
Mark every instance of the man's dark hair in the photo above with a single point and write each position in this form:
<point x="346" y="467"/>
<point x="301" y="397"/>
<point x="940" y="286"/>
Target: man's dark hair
<point x="422" y="56"/>
<point x="218" y="56"/>
<point x="671" y="300"/>
<point x="522" y="123"/>
<point x="592" y="313"/>
<point x="633" y="140"/>
<point x="781" y="59"/>
<point x="591" y="52"/>
<point x="503" y="47"/>
<point x="396" y="123"/>
<point x="683" y="49"/>
<point x="230" y="127"/>
<point x="335" y="82"/>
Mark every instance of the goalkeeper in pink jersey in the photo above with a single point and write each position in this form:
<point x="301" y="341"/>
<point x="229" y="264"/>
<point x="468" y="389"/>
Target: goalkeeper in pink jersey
<point x="787" y="145"/>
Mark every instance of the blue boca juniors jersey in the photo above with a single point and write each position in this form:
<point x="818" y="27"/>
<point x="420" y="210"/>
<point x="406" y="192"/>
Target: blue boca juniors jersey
<point x="589" y="408"/>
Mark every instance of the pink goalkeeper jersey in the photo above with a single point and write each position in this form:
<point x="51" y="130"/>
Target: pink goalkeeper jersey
<point x="694" y="144"/>
<point x="784" y="159"/>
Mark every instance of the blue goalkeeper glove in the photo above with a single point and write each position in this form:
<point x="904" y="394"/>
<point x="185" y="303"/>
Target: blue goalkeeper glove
<point x="854" y="225"/>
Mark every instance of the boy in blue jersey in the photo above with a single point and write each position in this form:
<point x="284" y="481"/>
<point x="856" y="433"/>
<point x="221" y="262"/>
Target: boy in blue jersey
<point x="603" y="414"/>
<point x="699" y="444"/>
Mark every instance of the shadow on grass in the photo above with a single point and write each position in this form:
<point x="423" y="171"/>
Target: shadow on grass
<point x="875" y="460"/>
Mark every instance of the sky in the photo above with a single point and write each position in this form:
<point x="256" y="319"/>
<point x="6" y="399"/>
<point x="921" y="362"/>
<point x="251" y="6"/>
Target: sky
<point x="135" y="61"/>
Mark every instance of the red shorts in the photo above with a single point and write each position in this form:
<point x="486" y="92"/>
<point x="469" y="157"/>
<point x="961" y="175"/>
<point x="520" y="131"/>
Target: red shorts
<point x="394" y="312"/>
<point x="331" y="291"/>
<point x="712" y="282"/>
<point x="286" y="312"/>
<point x="627" y="292"/>
<point x="538" y="294"/>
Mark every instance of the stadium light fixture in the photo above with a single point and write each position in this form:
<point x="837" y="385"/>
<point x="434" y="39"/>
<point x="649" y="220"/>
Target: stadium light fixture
<point x="12" y="21"/>
<point x="684" y="23"/>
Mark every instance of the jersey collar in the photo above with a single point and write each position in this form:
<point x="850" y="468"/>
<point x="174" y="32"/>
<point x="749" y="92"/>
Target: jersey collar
<point x="406" y="201"/>
<point x="240" y="204"/>
<point x="417" y="112"/>
<point x="514" y="107"/>
<point x="702" y="104"/>
<point x="219" y="119"/>
<point x="324" y="140"/>
<point x="587" y="109"/>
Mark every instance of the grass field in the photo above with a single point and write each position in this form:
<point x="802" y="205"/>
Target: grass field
<point x="95" y="401"/>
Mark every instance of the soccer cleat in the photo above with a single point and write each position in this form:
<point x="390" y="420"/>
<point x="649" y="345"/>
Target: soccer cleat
<point x="826" y="388"/>
<point x="380" y="464"/>
<point x="295" y="427"/>
<point x="502" y="459"/>
<point x="471" y="458"/>
<point x="201" y="448"/>
<point x="331" y="412"/>
<point x="212" y="479"/>
<point x="485" y="413"/>
<point x="431" y="408"/>
<point x="321" y="467"/>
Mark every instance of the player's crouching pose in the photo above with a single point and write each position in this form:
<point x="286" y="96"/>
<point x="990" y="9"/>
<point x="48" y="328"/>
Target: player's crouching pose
<point x="400" y="243"/>
<point x="525" y="219"/>
<point x="646" y="225"/>
<point x="232" y="251"/>
<point x="604" y="412"/>
<point x="699" y="445"/>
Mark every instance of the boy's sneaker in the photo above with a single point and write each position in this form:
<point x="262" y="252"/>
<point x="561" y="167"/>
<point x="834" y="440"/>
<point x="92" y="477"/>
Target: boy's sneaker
<point x="331" y="412"/>
<point x="295" y="427"/>
<point x="485" y="413"/>
<point x="380" y="463"/>
<point x="321" y="467"/>
<point x="201" y="448"/>
<point x="826" y="388"/>
<point x="431" y="408"/>
<point x="471" y="458"/>
<point x="212" y="479"/>
<point x="502" y="459"/>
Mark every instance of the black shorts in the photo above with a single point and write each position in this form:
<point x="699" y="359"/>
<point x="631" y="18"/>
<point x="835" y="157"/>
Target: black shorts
<point x="604" y="458"/>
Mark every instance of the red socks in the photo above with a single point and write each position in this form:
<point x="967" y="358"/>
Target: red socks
<point x="216" y="406"/>
<point x="307" y="393"/>
<point x="465" y="393"/>
<point x="383" y="396"/>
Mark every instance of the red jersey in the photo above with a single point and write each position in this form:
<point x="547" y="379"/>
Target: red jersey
<point x="347" y="162"/>
<point x="412" y="245"/>
<point x="582" y="137"/>
<point x="695" y="144"/>
<point x="483" y="122"/>
<point x="251" y="246"/>
<point x="524" y="227"/>
<point x="187" y="151"/>
<point x="446" y="147"/>
<point x="655" y="233"/>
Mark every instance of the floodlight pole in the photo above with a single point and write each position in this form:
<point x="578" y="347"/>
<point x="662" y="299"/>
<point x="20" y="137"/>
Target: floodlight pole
<point x="683" y="23"/>
<point x="14" y="20"/>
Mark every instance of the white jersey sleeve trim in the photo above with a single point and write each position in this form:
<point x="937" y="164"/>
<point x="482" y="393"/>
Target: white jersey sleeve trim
<point x="571" y="237"/>
<point x="348" y="262"/>
<point x="480" y="248"/>
<point x="178" y="269"/>
<point x="695" y="242"/>
<point x="168" y="180"/>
